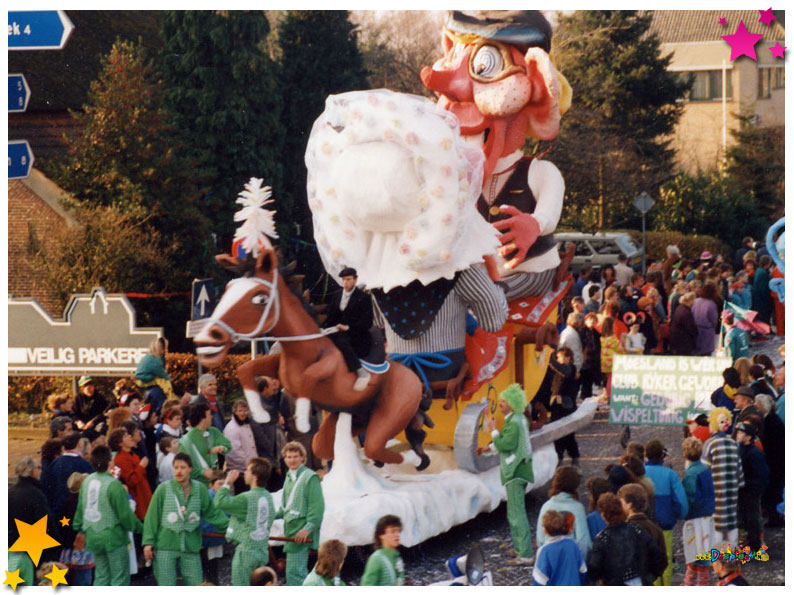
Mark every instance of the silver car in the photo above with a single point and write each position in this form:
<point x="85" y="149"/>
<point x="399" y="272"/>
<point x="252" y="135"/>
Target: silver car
<point x="600" y="249"/>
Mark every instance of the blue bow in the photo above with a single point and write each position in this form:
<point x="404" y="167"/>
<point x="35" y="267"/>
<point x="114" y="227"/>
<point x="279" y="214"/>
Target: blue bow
<point x="434" y="360"/>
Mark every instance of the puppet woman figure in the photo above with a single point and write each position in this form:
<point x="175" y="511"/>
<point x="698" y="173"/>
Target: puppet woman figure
<point x="392" y="187"/>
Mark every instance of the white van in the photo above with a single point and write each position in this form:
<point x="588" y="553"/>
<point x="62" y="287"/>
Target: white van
<point x="600" y="249"/>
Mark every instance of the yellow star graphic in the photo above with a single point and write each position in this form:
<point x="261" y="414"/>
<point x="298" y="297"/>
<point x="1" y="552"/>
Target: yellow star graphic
<point x="33" y="539"/>
<point x="65" y="521"/>
<point x="13" y="579"/>
<point x="57" y="576"/>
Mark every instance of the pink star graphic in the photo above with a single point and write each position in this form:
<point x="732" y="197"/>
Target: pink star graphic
<point x="767" y="17"/>
<point x="777" y="50"/>
<point x="743" y="42"/>
<point x="723" y="22"/>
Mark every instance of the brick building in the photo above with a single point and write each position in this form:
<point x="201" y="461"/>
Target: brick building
<point x="34" y="215"/>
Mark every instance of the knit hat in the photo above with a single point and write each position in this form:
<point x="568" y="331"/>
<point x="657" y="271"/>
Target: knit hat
<point x="618" y="477"/>
<point x="655" y="450"/>
<point x="515" y="397"/>
<point x="731" y="377"/>
<point x="84" y="380"/>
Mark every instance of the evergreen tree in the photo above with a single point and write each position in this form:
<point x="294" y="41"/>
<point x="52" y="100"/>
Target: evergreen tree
<point x="612" y="142"/>
<point x="126" y="158"/>
<point x="319" y="57"/>
<point x="756" y="165"/>
<point x="223" y="96"/>
<point x="707" y="204"/>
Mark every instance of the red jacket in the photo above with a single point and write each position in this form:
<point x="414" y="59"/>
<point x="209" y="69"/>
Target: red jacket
<point x="134" y="477"/>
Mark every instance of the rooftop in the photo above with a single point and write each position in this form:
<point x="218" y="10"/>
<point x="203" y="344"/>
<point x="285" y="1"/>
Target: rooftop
<point x="684" y="26"/>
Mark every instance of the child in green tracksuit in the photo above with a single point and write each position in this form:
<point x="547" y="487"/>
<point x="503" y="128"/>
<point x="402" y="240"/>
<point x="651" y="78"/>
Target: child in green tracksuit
<point x="203" y="443"/>
<point x="103" y="521"/>
<point x="385" y="567"/>
<point x="252" y="515"/>
<point x="171" y="529"/>
<point x="330" y="559"/>
<point x="515" y="462"/>
<point x="302" y="508"/>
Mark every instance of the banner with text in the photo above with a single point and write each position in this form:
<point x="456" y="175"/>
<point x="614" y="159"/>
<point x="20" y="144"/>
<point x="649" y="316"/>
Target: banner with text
<point x="657" y="390"/>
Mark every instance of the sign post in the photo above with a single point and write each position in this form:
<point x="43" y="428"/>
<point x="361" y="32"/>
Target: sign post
<point x="18" y="93"/>
<point x="20" y="159"/>
<point x="30" y="30"/>
<point x="643" y="203"/>
<point x="38" y="29"/>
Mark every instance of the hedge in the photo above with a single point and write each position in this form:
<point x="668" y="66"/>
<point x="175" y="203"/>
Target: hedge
<point x="29" y="393"/>
<point x="690" y="246"/>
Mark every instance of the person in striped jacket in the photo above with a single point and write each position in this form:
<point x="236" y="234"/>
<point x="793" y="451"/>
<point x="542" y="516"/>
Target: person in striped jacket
<point x="721" y="454"/>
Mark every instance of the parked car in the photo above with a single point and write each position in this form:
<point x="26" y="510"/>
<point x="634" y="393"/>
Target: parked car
<point x="600" y="249"/>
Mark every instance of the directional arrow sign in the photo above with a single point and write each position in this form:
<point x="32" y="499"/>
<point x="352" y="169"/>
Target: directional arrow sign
<point x="38" y="29"/>
<point x="20" y="159"/>
<point x="202" y="299"/>
<point x="18" y="93"/>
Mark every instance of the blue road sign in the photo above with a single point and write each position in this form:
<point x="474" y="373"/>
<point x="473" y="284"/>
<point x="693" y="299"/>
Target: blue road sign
<point x="18" y="93"/>
<point x="20" y="159"/>
<point x="202" y="299"/>
<point x="38" y="29"/>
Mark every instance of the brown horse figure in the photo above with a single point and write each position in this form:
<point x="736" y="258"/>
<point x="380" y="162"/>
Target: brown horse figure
<point x="309" y="365"/>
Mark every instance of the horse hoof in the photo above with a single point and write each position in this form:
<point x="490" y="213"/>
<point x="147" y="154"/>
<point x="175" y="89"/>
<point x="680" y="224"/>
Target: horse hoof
<point x="379" y="464"/>
<point x="424" y="464"/>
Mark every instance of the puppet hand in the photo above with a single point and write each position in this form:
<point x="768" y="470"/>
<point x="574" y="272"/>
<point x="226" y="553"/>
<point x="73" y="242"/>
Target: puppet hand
<point x="519" y="233"/>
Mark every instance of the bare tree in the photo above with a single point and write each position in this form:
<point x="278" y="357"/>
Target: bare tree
<point x="396" y="44"/>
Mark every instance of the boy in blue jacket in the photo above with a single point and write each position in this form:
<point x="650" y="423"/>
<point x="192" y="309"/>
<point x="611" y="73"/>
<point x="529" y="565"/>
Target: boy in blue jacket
<point x="559" y="561"/>
<point x="671" y="502"/>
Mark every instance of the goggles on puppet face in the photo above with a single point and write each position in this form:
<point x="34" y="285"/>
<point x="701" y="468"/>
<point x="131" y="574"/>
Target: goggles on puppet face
<point x="489" y="60"/>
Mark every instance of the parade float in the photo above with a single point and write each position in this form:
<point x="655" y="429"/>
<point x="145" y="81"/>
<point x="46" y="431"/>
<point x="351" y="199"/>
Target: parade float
<point x="450" y="228"/>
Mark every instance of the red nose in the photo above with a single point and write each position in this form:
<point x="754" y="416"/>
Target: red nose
<point x="453" y="82"/>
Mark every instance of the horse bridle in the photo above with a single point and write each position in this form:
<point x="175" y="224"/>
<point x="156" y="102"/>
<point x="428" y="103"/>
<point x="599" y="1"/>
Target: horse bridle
<point x="273" y="298"/>
<point x="258" y="331"/>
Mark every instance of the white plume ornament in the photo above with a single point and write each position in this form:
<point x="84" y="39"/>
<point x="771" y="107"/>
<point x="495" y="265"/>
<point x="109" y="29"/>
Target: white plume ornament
<point x="258" y="223"/>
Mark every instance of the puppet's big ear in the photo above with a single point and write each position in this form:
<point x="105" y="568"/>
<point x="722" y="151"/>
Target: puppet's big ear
<point x="544" y="106"/>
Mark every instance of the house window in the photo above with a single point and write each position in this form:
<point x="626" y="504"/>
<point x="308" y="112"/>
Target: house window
<point x="764" y="83"/>
<point x="707" y="85"/>
<point x="779" y="76"/>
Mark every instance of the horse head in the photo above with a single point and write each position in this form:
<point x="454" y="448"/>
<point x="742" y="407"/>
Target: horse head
<point x="249" y="307"/>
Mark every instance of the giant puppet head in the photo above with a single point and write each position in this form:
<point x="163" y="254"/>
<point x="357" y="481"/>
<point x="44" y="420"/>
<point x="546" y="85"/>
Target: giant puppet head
<point x="498" y="78"/>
